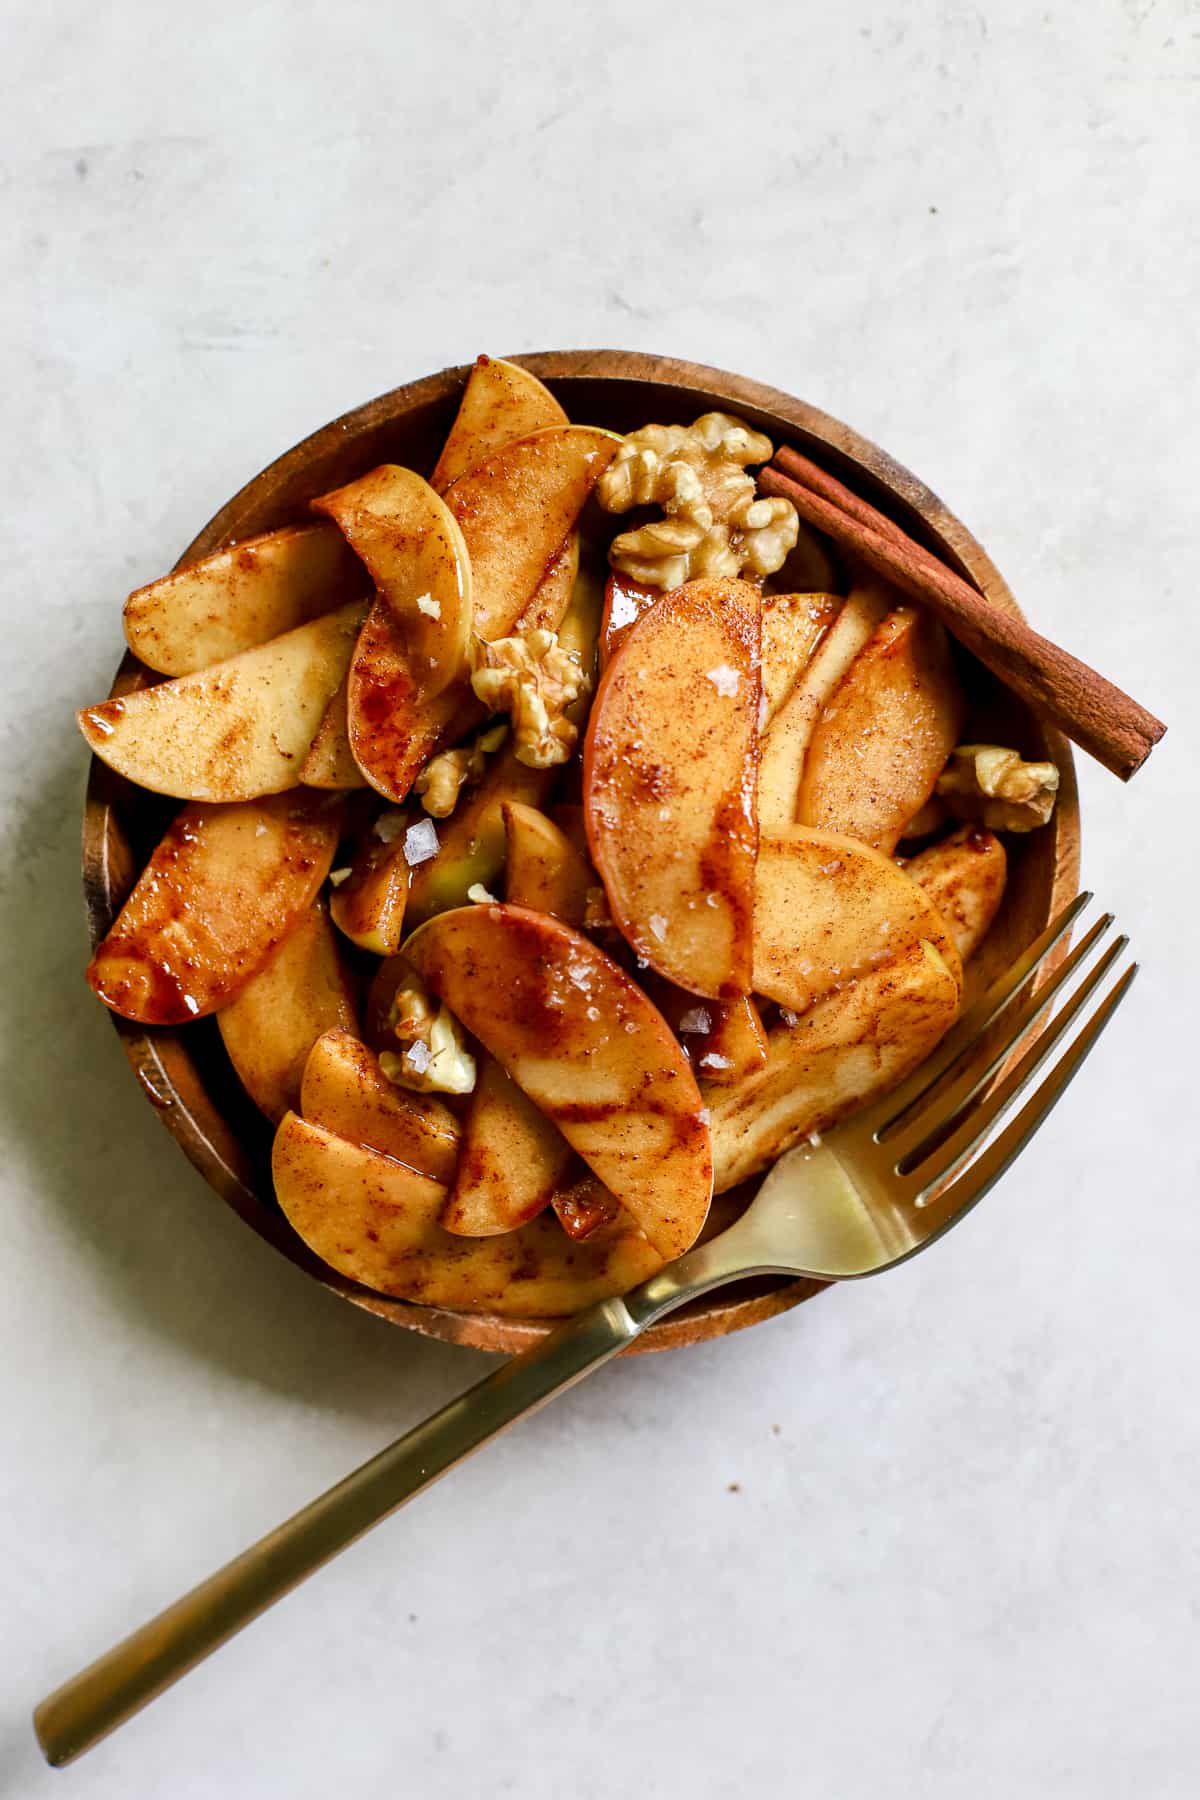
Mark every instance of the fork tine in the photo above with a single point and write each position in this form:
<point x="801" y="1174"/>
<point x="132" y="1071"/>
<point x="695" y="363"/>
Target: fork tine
<point x="894" y="1107"/>
<point x="959" y="1086"/>
<point x="955" y="1151"/>
<point x="974" y="1181"/>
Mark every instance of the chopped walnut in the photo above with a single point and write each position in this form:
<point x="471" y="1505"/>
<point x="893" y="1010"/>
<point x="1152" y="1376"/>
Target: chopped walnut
<point x="534" y="680"/>
<point x="445" y="775"/>
<point x="994" y="786"/>
<point x="434" y="1058"/>
<point x="715" y="523"/>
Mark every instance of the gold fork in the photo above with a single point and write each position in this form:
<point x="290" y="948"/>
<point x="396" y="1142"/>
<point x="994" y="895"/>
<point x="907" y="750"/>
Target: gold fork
<point x="876" y="1191"/>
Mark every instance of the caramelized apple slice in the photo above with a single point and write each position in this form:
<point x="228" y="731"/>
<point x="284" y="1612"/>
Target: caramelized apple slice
<point x="235" y="731"/>
<point x="510" y="1159"/>
<point x="792" y="627"/>
<point x="551" y="597"/>
<point x="224" y="888"/>
<point x="330" y="761"/>
<point x="270" y="1027"/>
<point x="827" y="909"/>
<point x="516" y="510"/>
<point x="964" y="875"/>
<point x="884" y="736"/>
<point x="669" y="773"/>
<point x="240" y="597"/>
<point x="846" y="1050"/>
<point x="415" y="555"/>
<point x="472" y="840"/>
<point x="367" y="903"/>
<point x="588" y="1048"/>
<point x="501" y="402"/>
<point x="394" y="727"/>
<point x="544" y="871"/>
<point x="786" y="739"/>
<point x="346" y="1091"/>
<point x="625" y="600"/>
<point x="376" y="1222"/>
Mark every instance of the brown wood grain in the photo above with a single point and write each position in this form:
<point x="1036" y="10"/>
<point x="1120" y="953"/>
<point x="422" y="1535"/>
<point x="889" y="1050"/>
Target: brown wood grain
<point x="184" y="1072"/>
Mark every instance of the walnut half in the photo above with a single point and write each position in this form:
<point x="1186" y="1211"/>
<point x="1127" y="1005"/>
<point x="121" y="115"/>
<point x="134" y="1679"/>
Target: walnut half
<point x="534" y="680"/>
<point x="995" y="786"/>
<point x="715" y="524"/>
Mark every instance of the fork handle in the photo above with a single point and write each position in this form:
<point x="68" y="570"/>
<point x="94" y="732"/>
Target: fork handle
<point x="126" y="1678"/>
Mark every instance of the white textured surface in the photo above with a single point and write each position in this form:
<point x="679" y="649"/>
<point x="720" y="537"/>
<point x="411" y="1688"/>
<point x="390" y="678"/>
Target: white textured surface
<point x="965" y="1562"/>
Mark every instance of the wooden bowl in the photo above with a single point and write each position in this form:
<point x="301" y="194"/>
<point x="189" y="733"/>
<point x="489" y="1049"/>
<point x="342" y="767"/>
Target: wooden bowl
<point x="184" y="1072"/>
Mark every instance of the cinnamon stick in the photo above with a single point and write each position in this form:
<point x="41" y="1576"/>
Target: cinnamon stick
<point x="1090" y="710"/>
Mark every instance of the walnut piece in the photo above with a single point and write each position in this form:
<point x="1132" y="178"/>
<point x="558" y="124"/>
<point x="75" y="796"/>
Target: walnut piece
<point x="534" y="680"/>
<point x="993" y="785"/>
<point x="434" y="1058"/>
<point x="445" y="775"/>
<point x="715" y="523"/>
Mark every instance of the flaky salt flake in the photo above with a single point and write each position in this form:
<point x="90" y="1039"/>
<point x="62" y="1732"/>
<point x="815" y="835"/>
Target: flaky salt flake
<point x="705" y="1115"/>
<point x="337" y="876"/>
<point x="418" y="1056"/>
<point x="658" y="926"/>
<point x="713" y="1061"/>
<point x="696" y="1019"/>
<point x="260" y="829"/>
<point x="479" y="894"/>
<point x="814" y="1140"/>
<point x="429" y="606"/>
<point x="593" y="1013"/>
<point x="726" y="680"/>
<point x="713" y="900"/>
<point x="788" y="1016"/>
<point x="420" y="842"/>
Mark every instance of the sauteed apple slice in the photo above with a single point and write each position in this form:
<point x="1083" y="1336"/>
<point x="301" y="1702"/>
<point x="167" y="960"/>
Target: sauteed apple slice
<point x="827" y="909"/>
<point x="789" y="729"/>
<point x="516" y="510"/>
<point x="884" y="736"/>
<point x="416" y="557"/>
<point x="224" y="888"/>
<point x="543" y="869"/>
<point x="501" y="402"/>
<point x="510" y="1159"/>
<point x="669" y="774"/>
<point x="792" y="627"/>
<point x="582" y="1040"/>
<point x="845" y="1050"/>
<point x="270" y="1027"/>
<point x="472" y="839"/>
<point x="235" y="731"/>
<point x="964" y="876"/>
<point x="240" y="597"/>
<point x="346" y="1091"/>
<point x="393" y="727"/>
<point x="330" y="762"/>
<point x="376" y="1222"/>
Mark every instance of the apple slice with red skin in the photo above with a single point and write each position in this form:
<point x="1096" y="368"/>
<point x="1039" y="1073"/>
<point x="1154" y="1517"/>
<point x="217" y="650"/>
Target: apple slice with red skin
<point x="625" y="600"/>
<point x="221" y="892"/>
<point x="583" y="1041"/>
<point x="669" y="771"/>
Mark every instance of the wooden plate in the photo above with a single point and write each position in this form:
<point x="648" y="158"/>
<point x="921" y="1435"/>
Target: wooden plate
<point x="184" y="1072"/>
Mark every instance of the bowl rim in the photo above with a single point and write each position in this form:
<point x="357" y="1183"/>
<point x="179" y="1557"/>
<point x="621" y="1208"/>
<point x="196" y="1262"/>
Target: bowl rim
<point x="164" y="1068"/>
